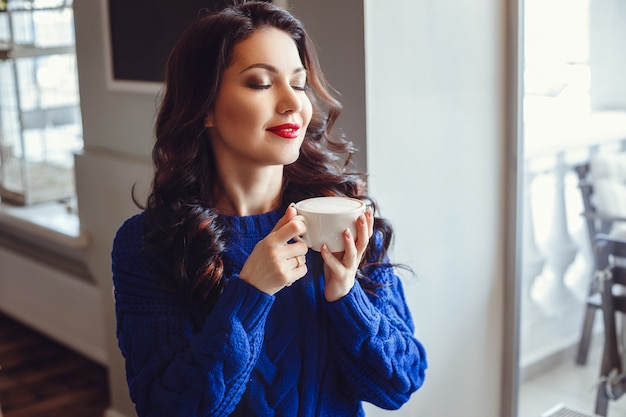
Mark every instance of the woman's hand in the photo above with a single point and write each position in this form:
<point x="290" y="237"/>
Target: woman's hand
<point x="275" y="263"/>
<point x="340" y="268"/>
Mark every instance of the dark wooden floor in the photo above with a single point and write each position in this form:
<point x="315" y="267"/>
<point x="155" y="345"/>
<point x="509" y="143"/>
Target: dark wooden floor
<point x="41" y="378"/>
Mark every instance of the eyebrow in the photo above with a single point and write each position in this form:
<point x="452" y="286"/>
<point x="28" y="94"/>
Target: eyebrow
<point x="270" y="68"/>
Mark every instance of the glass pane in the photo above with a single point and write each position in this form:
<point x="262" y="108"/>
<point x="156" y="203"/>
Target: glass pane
<point x="40" y="116"/>
<point x="574" y="109"/>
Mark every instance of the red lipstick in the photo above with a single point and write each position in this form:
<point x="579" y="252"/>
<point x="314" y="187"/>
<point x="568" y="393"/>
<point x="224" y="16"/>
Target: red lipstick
<point x="286" y="130"/>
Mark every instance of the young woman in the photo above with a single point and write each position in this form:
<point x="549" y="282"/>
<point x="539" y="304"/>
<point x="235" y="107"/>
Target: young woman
<point x="220" y="310"/>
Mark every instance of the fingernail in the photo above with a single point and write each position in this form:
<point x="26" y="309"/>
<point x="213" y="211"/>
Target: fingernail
<point x="292" y="204"/>
<point x="347" y="232"/>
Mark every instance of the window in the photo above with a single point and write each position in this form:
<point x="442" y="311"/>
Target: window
<point x="574" y="106"/>
<point x="556" y="58"/>
<point x="40" y="120"/>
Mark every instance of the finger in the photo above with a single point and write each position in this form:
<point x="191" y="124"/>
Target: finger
<point x="363" y="233"/>
<point x="298" y="271"/>
<point x="289" y="214"/>
<point x="289" y="226"/>
<point x="330" y="259"/>
<point x="350" y="250"/>
<point x="369" y="216"/>
<point x="290" y="230"/>
<point x="298" y="217"/>
<point x="299" y="261"/>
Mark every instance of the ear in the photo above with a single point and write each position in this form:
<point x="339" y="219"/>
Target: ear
<point x="209" y="120"/>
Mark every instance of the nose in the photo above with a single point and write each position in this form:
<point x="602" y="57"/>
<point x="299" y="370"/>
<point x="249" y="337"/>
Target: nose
<point x="290" y="100"/>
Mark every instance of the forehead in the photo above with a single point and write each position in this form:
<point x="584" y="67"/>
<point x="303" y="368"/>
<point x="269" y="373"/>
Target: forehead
<point x="266" y="45"/>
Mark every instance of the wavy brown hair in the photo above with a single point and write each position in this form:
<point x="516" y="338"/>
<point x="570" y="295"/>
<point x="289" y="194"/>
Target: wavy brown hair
<point x="180" y="207"/>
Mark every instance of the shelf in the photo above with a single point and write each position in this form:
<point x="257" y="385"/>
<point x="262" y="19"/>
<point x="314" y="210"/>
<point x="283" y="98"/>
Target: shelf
<point x="61" y="6"/>
<point x="23" y="51"/>
<point x="53" y="223"/>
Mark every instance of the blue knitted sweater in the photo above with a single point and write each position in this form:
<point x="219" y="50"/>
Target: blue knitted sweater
<point x="254" y="354"/>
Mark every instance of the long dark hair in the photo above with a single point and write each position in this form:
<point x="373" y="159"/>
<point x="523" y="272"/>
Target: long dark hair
<point x="180" y="207"/>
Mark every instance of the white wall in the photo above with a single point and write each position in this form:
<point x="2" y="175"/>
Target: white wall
<point x="337" y="28"/>
<point x="432" y="79"/>
<point x="118" y="132"/>
<point x="434" y="155"/>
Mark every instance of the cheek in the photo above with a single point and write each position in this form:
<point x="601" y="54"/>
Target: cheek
<point x="229" y="111"/>
<point x="307" y="111"/>
<point x="237" y="114"/>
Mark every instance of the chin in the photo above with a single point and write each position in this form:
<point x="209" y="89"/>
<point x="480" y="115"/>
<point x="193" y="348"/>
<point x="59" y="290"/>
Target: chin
<point x="290" y="159"/>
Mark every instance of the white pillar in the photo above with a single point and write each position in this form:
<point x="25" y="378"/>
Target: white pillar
<point x="532" y="264"/>
<point x="559" y="249"/>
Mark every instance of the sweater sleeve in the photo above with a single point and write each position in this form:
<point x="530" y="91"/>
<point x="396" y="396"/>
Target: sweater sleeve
<point x="172" y="368"/>
<point x="373" y="342"/>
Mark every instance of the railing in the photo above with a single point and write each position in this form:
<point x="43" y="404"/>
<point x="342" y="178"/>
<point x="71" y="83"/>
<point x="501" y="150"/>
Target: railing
<point x="556" y="257"/>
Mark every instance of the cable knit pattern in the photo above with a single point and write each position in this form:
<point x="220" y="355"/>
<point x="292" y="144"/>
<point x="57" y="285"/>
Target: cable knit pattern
<point x="292" y="354"/>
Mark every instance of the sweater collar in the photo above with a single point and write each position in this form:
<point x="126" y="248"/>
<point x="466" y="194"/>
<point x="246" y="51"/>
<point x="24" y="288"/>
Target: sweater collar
<point x="242" y="235"/>
<point x="257" y="224"/>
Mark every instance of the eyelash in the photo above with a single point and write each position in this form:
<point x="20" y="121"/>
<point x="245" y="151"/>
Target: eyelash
<point x="267" y="86"/>
<point x="259" y="86"/>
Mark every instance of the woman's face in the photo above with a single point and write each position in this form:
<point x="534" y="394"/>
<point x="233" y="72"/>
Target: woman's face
<point x="261" y="110"/>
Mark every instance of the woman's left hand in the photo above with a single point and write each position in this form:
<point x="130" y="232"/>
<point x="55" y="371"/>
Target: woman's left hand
<point x="340" y="268"/>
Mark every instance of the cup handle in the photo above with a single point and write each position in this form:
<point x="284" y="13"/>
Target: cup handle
<point x="301" y="239"/>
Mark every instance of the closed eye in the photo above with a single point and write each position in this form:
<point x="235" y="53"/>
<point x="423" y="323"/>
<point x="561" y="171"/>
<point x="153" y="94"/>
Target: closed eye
<point x="259" y="86"/>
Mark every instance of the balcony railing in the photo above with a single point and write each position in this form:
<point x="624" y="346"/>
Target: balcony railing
<point x="556" y="257"/>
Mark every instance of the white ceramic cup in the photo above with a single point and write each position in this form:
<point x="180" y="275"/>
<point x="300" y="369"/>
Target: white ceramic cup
<point x="326" y="218"/>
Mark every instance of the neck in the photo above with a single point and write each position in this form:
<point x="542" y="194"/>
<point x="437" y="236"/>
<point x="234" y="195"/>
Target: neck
<point x="246" y="196"/>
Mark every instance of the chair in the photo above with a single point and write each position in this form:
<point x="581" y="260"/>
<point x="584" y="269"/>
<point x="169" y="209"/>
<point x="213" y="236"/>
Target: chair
<point x="603" y="191"/>
<point x="611" y="280"/>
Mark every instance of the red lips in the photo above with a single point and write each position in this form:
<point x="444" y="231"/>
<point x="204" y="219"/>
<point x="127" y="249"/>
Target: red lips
<point x="286" y="130"/>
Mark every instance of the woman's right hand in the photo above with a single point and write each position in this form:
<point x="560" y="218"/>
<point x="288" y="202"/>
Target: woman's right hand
<point x="275" y="263"/>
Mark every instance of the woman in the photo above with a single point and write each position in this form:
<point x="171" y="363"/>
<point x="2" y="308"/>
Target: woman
<point x="220" y="310"/>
